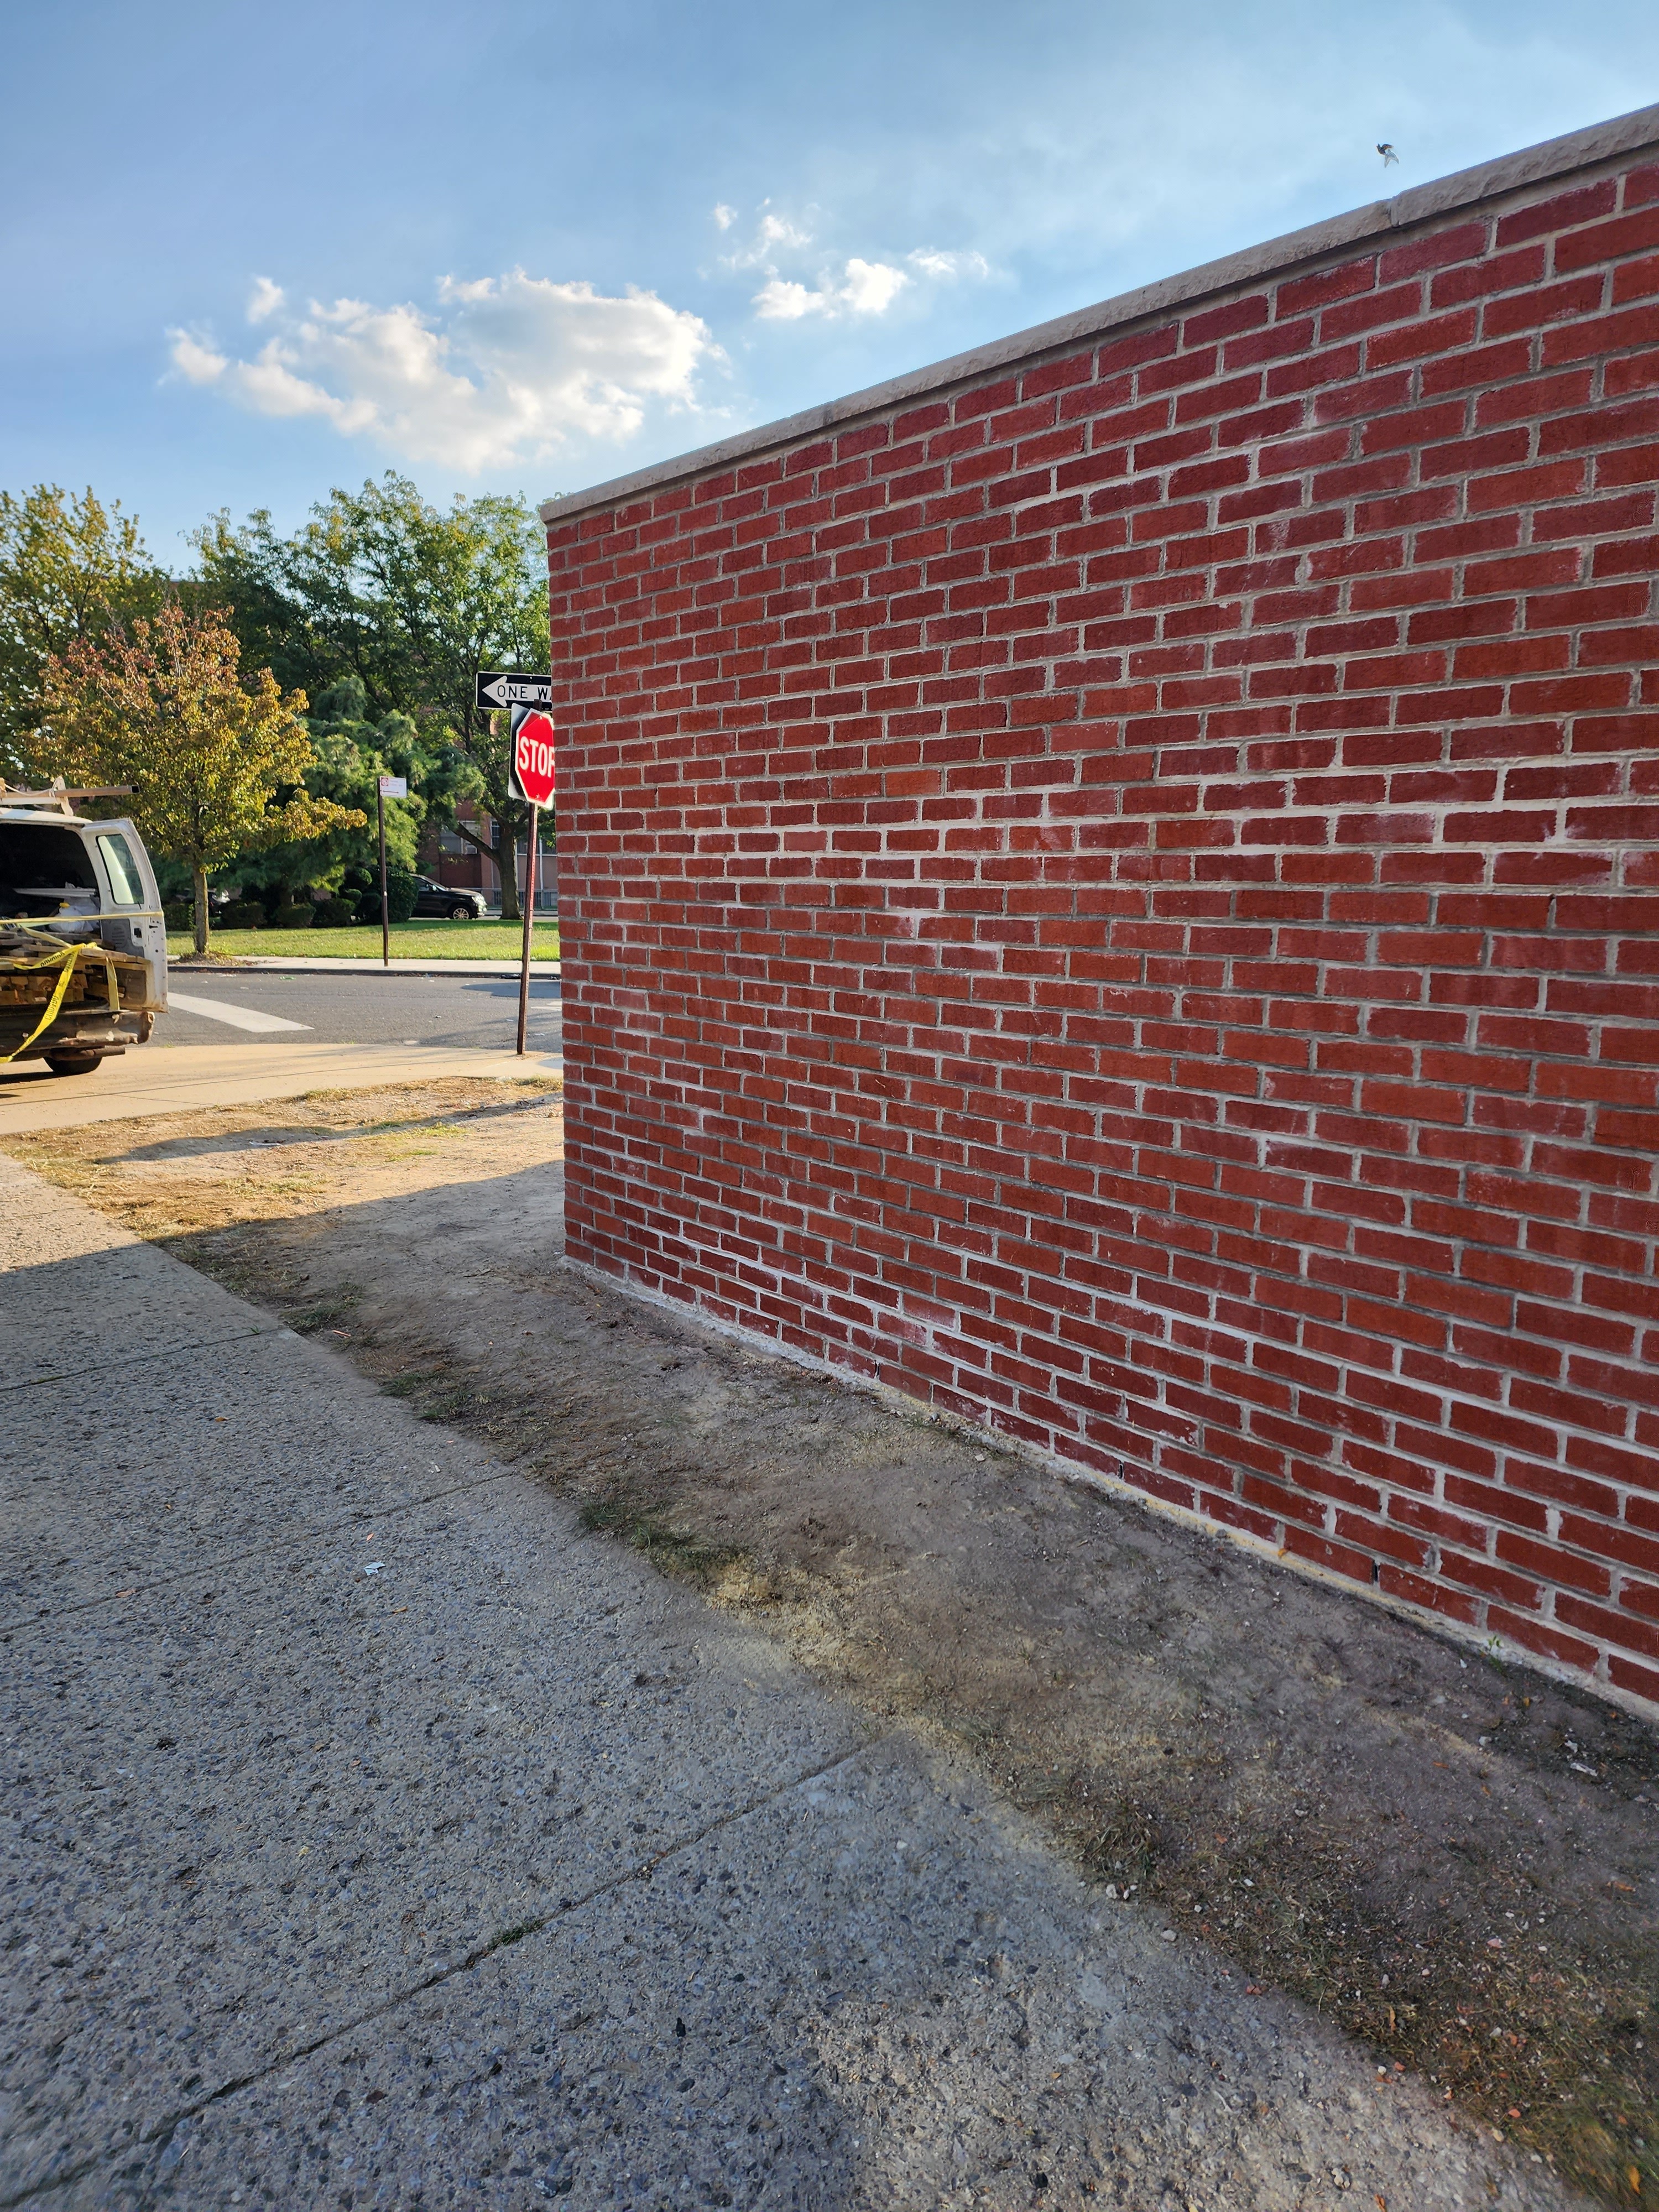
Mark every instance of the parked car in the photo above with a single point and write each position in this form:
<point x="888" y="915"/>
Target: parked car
<point x="431" y="898"/>
<point x="79" y="894"/>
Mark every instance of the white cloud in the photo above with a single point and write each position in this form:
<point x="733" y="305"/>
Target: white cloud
<point x="775" y="235"/>
<point x="508" y="369"/>
<point x="264" y="300"/>
<point x="871" y="287"/>
<point x="866" y="288"/>
<point x="779" y="300"/>
<point x="196" y="361"/>
<point x="855" y="287"/>
<point x="947" y="267"/>
<point x="776" y="230"/>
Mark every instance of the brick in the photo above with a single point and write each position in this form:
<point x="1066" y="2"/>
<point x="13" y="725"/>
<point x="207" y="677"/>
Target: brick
<point x="1636" y="280"/>
<point x="1599" y="334"/>
<point x="1564" y="210"/>
<point x="1636" y="232"/>
<point x="1636" y="1681"/>
<point x="1553" y="1565"/>
<point x="1477" y="278"/>
<point x="1537" y="1636"/>
<point x="1297" y="295"/>
<point x="1542" y="304"/>
<point x="1636" y="372"/>
<point x="1619" y="1629"/>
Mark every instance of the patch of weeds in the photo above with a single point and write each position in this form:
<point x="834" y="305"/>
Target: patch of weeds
<point x="453" y="1404"/>
<point x="435" y="1399"/>
<point x="646" y="1529"/>
<point x="335" y="1307"/>
<point x="1120" y="1844"/>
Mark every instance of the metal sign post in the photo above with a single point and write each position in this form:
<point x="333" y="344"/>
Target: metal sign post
<point x="529" y="777"/>
<point x="389" y="787"/>
<point x="529" y="922"/>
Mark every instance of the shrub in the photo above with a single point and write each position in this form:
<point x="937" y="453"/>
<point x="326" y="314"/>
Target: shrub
<point x="400" y="894"/>
<point x="336" y="912"/>
<point x="243" y="914"/>
<point x="178" y="914"/>
<point x="296" y="917"/>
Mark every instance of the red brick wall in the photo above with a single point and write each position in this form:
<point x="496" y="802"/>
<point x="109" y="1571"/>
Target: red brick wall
<point x="1122" y="899"/>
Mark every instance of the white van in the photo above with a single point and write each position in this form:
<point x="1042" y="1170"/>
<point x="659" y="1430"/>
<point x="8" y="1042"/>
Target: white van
<point x="68" y="881"/>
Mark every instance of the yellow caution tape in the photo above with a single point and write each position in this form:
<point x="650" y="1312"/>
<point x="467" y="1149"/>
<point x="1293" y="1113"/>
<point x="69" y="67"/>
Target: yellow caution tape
<point x="64" y="959"/>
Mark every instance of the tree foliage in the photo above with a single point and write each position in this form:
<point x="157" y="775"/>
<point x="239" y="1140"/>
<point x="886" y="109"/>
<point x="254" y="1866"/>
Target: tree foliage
<point x="410" y="601"/>
<point x="70" y="570"/>
<point x="353" y="751"/>
<point x="216" y="763"/>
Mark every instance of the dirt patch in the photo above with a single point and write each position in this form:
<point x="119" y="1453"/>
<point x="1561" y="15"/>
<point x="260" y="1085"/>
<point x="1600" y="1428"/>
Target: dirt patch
<point x="1453" y="1858"/>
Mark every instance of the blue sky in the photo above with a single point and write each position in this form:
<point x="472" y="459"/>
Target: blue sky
<point x="255" y="251"/>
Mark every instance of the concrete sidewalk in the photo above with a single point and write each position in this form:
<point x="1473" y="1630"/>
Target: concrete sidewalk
<point x="156" y="1078"/>
<point x="379" y="1839"/>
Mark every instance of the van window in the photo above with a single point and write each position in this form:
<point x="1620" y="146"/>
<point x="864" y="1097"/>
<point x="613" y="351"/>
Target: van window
<point x="124" y="879"/>
<point x="41" y="865"/>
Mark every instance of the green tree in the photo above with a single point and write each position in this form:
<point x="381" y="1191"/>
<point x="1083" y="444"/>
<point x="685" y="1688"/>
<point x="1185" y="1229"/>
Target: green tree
<point x="350" y="754"/>
<point x="70" y="569"/>
<point x="411" y="600"/>
<point x="216" y="764"/>
<point x="302" y="609"/>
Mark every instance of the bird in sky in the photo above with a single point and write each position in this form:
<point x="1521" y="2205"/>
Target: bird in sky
<point x="1390" y="157"/>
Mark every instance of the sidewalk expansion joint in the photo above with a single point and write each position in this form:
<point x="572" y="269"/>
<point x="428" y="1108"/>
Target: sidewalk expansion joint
<point x="163" y="2130"/>
<point x="220" y="1559"/>
<point x="140" y="1359"/>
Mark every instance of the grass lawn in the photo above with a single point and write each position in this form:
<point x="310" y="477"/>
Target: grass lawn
<point x="411" y="940"/>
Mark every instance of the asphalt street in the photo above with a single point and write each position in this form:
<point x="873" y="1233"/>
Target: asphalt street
<point x="476" y="1012"/>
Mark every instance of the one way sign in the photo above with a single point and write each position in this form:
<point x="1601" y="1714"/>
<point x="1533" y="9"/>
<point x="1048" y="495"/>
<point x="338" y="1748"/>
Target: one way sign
<point x="500" y="687"/>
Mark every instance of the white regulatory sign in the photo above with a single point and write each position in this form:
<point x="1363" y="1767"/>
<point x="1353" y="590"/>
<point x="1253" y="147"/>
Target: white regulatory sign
<point x="498" y="689"/>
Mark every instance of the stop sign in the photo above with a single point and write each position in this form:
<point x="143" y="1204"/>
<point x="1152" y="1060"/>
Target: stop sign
<point x="532" y="756"/>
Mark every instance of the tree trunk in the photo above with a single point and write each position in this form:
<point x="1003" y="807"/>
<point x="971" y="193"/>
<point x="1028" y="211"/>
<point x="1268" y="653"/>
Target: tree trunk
<point x="506" y="857"/>
<point x="198" y="877"/>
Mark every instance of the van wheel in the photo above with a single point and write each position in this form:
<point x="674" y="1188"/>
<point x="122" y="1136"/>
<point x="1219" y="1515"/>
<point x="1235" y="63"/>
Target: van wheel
<point x="73" y="1063"/>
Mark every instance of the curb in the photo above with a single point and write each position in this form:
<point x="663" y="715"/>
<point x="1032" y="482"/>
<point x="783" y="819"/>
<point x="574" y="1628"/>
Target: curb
<point x="274" y="966"/>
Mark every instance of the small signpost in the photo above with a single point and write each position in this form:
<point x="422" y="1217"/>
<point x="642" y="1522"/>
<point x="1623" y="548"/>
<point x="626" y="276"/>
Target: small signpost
<point x="529" y="777"/>
<point x="390" y="786"/>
